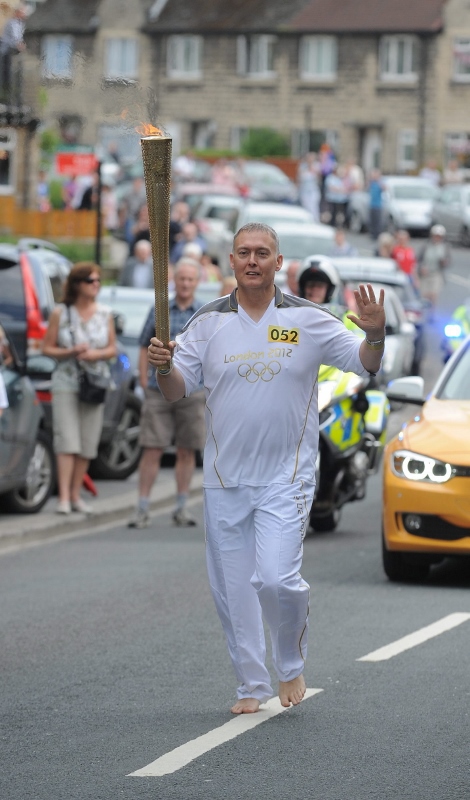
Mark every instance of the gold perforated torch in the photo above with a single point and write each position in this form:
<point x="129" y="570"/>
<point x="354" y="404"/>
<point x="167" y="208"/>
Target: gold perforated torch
<point x="156" y="155"/>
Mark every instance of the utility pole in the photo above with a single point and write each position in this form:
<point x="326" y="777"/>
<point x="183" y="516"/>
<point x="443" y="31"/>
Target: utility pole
<point x="98" y="218"/>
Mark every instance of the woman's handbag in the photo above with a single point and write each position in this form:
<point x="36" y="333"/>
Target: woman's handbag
<point x="92" y="387"/>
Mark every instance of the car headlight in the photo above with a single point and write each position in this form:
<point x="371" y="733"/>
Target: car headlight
<point x="453" y="331"/>
<point x="415" y="467"/>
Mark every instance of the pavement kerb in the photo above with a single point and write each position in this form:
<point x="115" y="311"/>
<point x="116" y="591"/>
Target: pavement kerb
<point x="27" y="528"/>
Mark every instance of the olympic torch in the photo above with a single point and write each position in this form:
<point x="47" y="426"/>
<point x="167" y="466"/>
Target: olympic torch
<point x="156" y="156"/>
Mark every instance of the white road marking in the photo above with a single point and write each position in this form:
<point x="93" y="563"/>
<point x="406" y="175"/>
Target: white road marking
<point x="458" y="279"/>
<point x="181" y="756"/>
<point x="418" y="637"/>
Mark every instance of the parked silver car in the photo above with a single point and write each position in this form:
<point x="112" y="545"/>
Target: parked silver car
<point x="130" y="306"/>
<point x="237" y="212"/>
<point x="407" y="203"/>
<point x="298" y="240"/>
<point x="385" y="272"/>
<point x="27" y="463"/>
<point x="31" y="275"/>
<point x="452" y="209"/>
<point x="218" y="217"/>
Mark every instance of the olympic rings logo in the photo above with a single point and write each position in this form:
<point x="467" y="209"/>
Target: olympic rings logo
<point x="254" y="372"/>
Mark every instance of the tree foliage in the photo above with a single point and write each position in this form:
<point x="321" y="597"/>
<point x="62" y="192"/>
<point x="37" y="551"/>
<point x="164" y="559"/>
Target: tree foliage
<point x="260" y="142"/>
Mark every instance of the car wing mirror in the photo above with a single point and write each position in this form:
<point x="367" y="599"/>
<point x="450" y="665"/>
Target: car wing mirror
<point x="40" y="366"/>
<point x="407" y="329"/>
<point x="119" y="323"/>
<point x="407" y="390"/>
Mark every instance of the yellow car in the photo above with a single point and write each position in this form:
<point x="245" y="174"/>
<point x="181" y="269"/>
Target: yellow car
<point x="426" y="475"/>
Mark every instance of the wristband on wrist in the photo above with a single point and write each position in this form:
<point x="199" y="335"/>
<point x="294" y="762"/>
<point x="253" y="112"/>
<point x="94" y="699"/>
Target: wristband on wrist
<point x="376" y="345"/>
<point x="166" y="370"/>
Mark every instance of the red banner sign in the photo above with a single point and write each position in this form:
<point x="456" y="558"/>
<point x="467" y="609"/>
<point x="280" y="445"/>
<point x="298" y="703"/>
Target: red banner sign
<point x="75" y="163"/>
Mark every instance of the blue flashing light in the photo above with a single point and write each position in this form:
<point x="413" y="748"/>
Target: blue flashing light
<point x="453" y="331"/>
<point x="126" y="364"/>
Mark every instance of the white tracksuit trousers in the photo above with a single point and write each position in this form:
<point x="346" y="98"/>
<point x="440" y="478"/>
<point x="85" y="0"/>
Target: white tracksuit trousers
<point x="254" y="546"/>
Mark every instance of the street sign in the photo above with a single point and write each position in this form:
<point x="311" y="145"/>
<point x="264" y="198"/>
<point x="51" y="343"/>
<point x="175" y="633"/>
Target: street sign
<point x="72" y="163"/>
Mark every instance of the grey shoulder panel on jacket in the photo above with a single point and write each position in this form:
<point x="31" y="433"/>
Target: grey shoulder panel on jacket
<point x="220" y="304"/>
<point x="291" y="301"/>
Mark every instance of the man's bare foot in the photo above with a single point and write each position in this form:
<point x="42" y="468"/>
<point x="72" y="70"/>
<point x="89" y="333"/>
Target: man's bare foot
<point x="292" y="692"/>
<point x="246" y="706"/>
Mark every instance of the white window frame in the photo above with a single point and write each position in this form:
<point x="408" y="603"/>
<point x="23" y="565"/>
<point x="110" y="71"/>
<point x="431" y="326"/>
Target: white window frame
<point x="121" y="59"/>
<point x="9" y="146"/>
<point x="51" y="68"/>
<point x="254" y="54"/>
<point x="407" y="138"/>
<point x="456" y="145"/>
<point x="184" y="57"/>
<point x="461" y="45"/>
<point x="314" y="51"/>
<point x="389" y="72"/>
<point x="237" y="135"/>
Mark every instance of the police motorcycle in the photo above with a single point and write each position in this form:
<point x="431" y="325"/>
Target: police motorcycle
<point x="352" y="417"/>
<point x="456" y="330"/>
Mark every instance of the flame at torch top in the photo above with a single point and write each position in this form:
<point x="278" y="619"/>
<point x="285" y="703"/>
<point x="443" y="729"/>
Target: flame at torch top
<point x="146" y="129"/>
<point x="156" y="156"/>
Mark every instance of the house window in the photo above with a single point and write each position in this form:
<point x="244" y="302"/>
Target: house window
<point x="305" y="141"/>
<point x="202" y="134"/>
<point x="318" y="58"/>
<point x="56" y="57"/>
<point x="407" y="141"/>
<point x="398" y="58"/>
<point x="255" y="56"/>
<point x="116" y="140"/>
<point x="237" y="135"/>
<point x="461" y="60"/>
<point x="121" y="59"/>
<point x="184" y="58"/>
<point x="457" y="148"/>
<point x="7" y="153"/>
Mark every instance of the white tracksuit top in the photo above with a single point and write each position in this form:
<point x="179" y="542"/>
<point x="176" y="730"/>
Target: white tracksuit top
<point x="260" y="380"/>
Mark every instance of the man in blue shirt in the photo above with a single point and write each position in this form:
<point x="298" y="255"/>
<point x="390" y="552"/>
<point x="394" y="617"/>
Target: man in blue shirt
<point x="163" y="423"/>
<point x="375" y="207"/>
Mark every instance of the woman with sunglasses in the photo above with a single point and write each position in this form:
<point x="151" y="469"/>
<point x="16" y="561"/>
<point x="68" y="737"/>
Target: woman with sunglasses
<point x="81" y="336"/>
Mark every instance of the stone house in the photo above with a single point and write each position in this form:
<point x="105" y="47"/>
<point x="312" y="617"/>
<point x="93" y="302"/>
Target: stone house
<point x="386" y="83"/>
<point x="18" y="123"/>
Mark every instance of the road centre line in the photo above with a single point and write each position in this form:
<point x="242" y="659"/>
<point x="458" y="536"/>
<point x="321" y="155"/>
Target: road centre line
<point x="181" y="756"/>
<point x="418" y="637"/>
<point x="458" y="280"/>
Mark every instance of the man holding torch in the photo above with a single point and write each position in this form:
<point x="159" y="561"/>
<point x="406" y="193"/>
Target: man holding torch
<point x="258" y="352"/>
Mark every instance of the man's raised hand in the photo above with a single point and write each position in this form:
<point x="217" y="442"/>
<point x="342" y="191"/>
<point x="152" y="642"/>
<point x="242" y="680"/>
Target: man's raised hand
<point x="371" y="314"/>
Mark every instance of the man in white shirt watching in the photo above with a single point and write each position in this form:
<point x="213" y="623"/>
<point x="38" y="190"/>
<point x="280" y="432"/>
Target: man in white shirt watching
<point x="259" y="352"/>
<point x="138" y="270"/>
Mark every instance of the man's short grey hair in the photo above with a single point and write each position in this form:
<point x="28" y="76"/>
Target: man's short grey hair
<point x="185" y="261"/>
<point x="192" y="250"/>
<point x="144" y="245"/>
<point x="258" y="227"/>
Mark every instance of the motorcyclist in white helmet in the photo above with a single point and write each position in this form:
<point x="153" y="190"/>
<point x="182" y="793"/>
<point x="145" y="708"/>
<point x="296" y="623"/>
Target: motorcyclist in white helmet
<point x="319" y="280"/>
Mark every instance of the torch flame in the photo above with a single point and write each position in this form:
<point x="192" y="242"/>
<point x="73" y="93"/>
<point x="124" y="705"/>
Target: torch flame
<point x="145" y="129"/>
